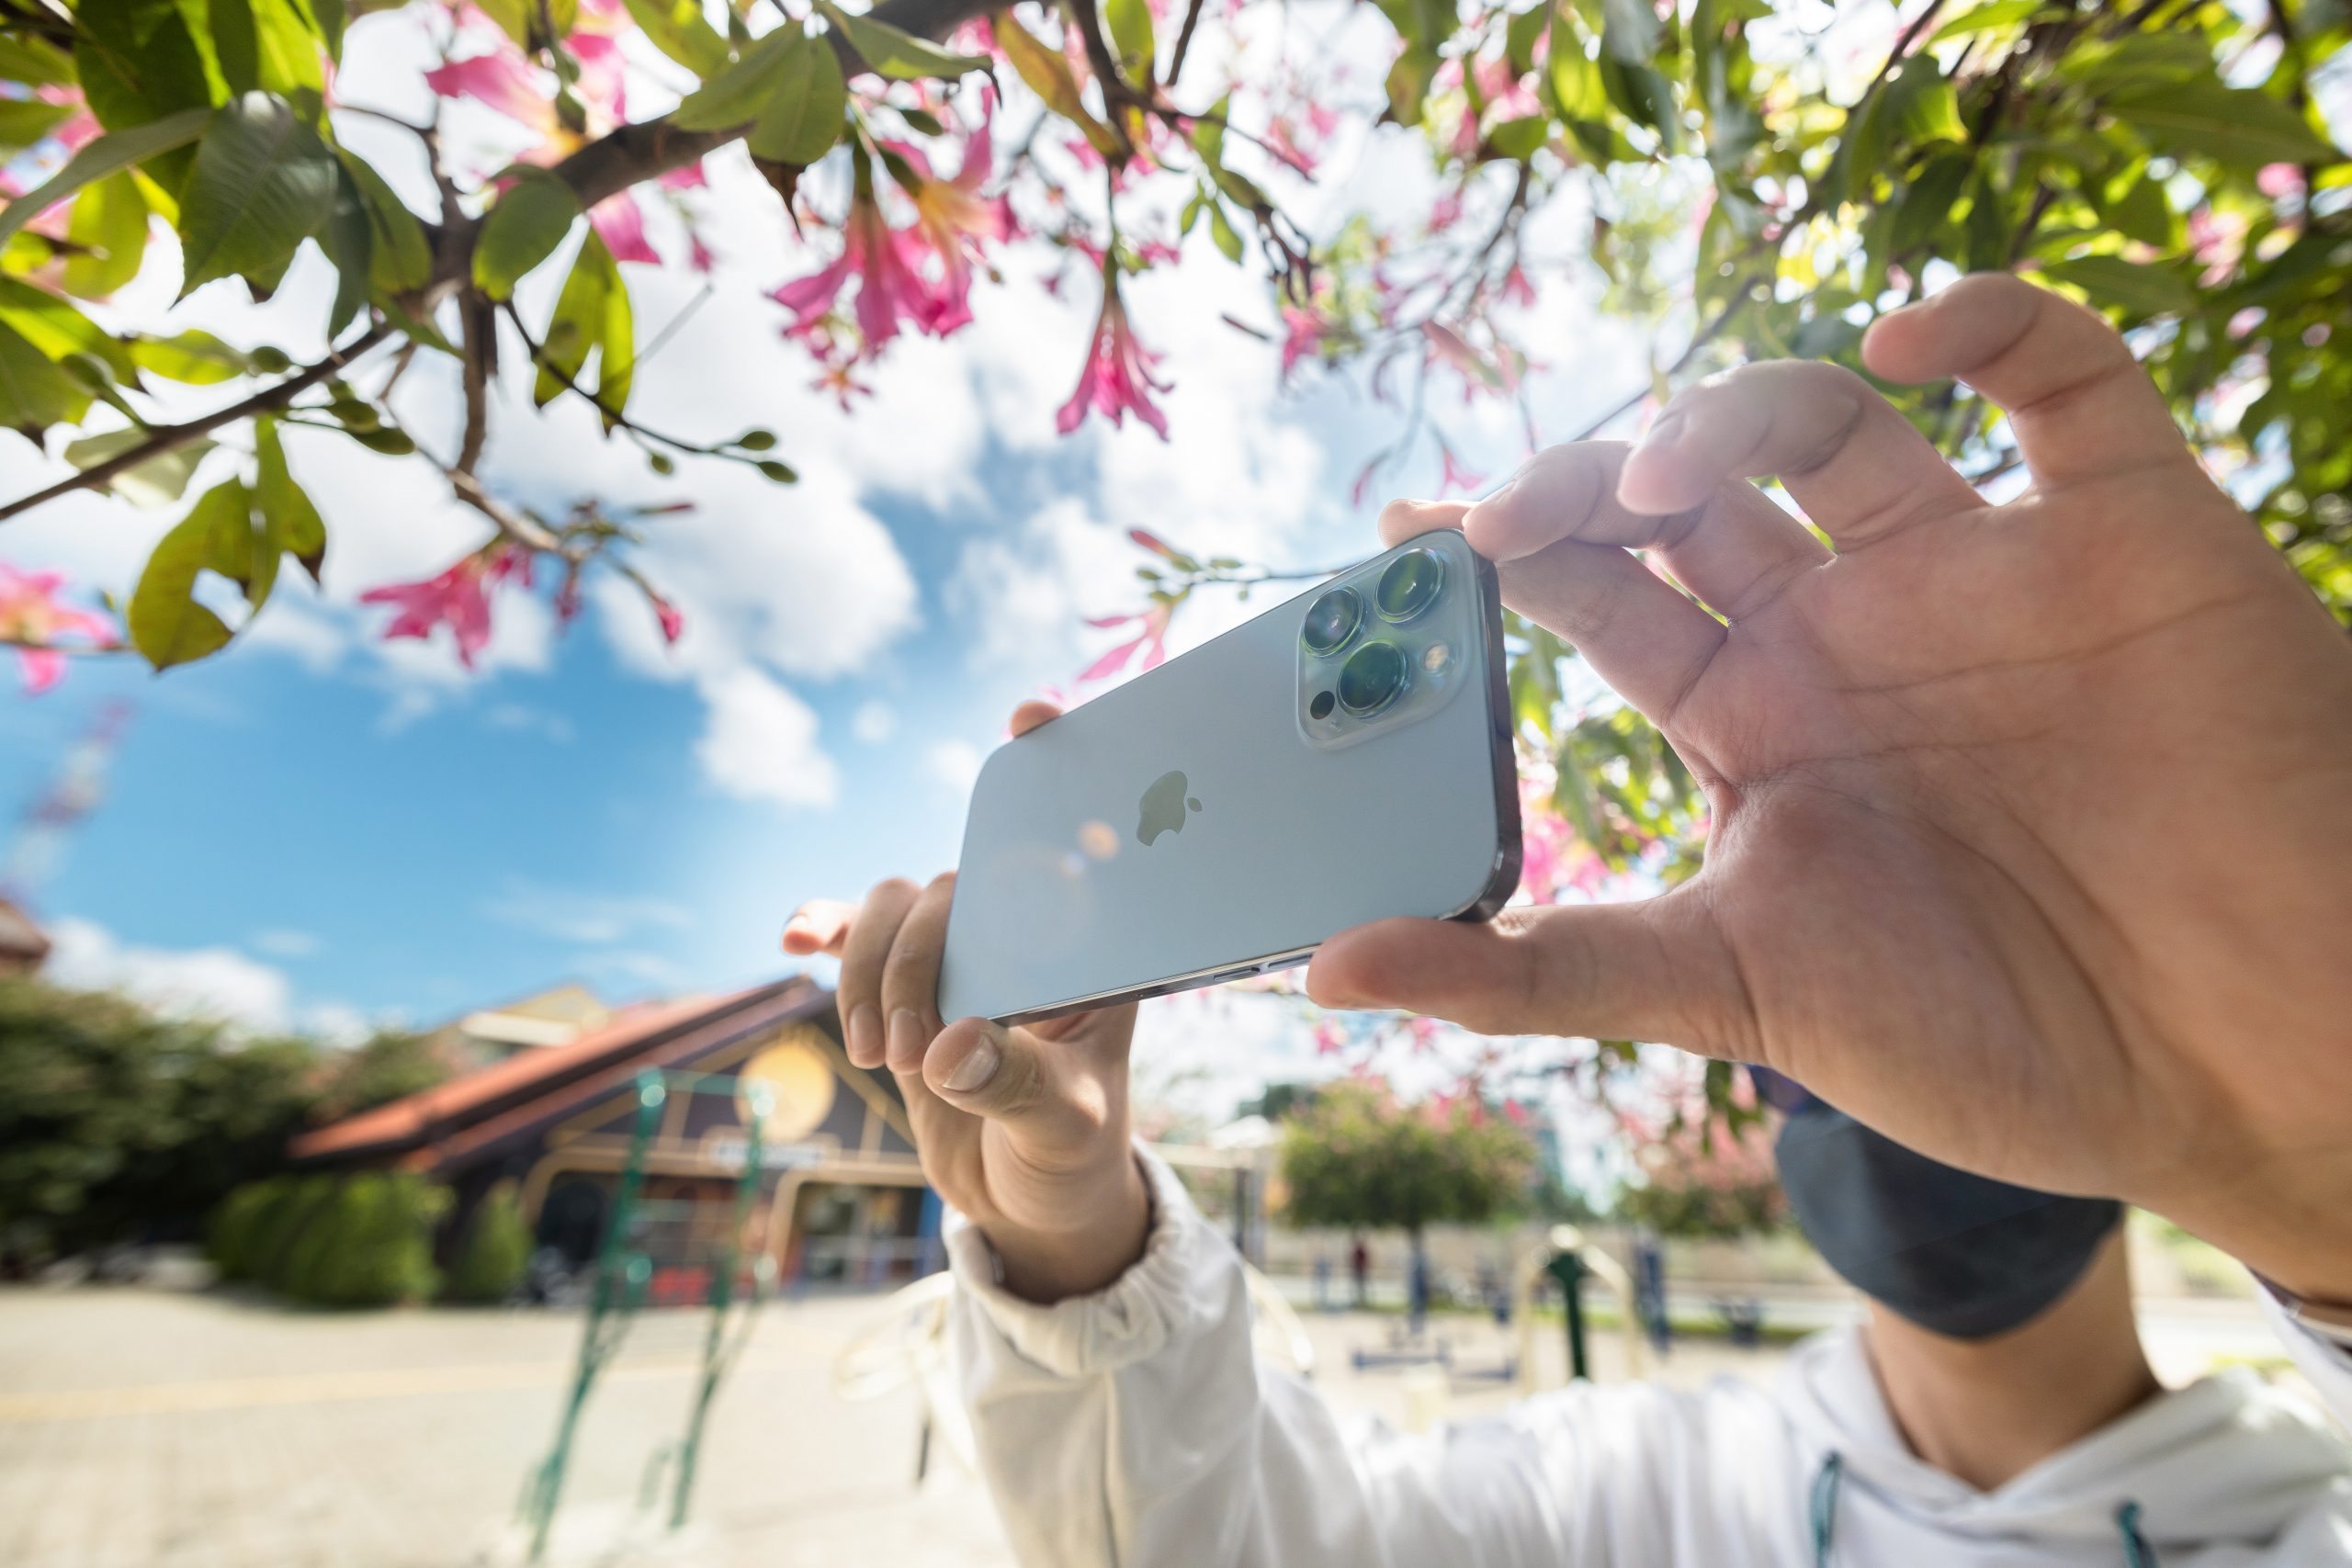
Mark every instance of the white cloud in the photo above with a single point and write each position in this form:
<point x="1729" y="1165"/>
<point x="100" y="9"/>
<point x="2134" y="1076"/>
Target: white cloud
<point x="1022" y="597"/>
<point x="875" y="722"/>
<point x="208" y="982"/>
<point x="759" y="743"/>
<point x="954" y="763"/>
<point x="523" y="718"/>
<point x="283" y="941"/>
<point x="578" y="915"/>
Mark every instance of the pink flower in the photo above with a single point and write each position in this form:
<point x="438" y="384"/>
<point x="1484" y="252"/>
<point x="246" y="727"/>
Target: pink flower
<point x="1517" y="290"/>
<point x="2275" y="180"/>
<point x="1447" y="212"/>
<point x="1329" y="1038"/>
<point x="690" y="177"/>
<point x="1454" y="477"/>
<point x="700" y="257"/>
<point x="620" y="224"/>
<point x="1152" y="639"/>
<point x="1304" y="334"/>
<point x="956" y="220"/>
<point x="888" y="263"/>
<point x="457" y="598"/>
<point x="1118" y="377"/>
<point x="32" y="619"/>
<point x="502" y="79"/>
<point x="673" y="625"/>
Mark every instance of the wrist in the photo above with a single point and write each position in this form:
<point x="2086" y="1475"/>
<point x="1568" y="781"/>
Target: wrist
<point x="1077" y="1247"/>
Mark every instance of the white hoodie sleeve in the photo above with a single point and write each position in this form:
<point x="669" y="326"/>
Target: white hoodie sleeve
<point x="2328" y="1364"/>
<point x="1136" y="1428"/>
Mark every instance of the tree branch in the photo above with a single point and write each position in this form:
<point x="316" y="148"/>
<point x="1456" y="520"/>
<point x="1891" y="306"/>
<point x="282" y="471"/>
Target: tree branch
<point x="1183" y="41"/>
<point x="170" y="437"/>
<point x="649" y="148"/>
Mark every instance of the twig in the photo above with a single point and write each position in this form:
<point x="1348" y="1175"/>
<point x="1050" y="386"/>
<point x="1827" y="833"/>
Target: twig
<point x="170" y="437"/>
<point x="1184" y="42"/>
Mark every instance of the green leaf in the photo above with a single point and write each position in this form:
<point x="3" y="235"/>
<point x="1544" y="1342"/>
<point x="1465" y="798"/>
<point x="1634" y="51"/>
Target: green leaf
<point x="159" y="481"/>
<point x="1574" y="79"/>
<point x="2231" y="124"/>
<point x="109" y="223"/>
<point x="2111" y="280"/>
<point x="328" y="18"/>
<point x="263" y="184"/>
<point x="139" y="64"/>
<point x="678" y="30"/>
<point x="1927" y="202"/>
<point x="1629" y="32"/>
<point x="59" y="331"/>
<point x="2143" y="212"/>
<point x="106" y="155"/>
<point x="1984" y="18"/>
<point x="896" y="54"/>
<point x="265" y="46"/>
<point x="167" y="625"/>
<point x="294" y="525"/>
<point x="803" y="116"/>
<point x="195" y="357"/>
<point x="737" y="94"/>
<point x="399" y="256"/>
<point x="35" y="62"/>
<point x="237" y="543"/>
<point x="512" y="16"/>
<point x="24" y="121"/>
<point x="1920" y="104"/>
<point x="591" y="317"/>
<point x="1131" y="36"/>
<point x="348" y="241"/>
<point x="35" y="393"/>
<point x="530" y="221"/>
<point x="1520" y="138"/>
<point x="1221" y="231"/>
<point x="1048" y="72"/>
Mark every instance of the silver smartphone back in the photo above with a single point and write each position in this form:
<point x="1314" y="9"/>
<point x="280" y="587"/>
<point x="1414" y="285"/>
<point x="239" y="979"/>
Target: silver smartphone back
<point x="1224" y="814"/>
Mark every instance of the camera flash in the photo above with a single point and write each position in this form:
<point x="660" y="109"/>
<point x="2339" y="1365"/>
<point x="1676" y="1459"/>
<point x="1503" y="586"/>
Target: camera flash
<point x="1436" y="658"/>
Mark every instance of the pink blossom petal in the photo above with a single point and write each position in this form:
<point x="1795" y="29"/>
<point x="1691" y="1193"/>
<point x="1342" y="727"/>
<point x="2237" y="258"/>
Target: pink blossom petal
<point x="620" y="224"/>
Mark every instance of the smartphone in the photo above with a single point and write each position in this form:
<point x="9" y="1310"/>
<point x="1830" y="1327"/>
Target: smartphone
<point x="1343" y="757"/>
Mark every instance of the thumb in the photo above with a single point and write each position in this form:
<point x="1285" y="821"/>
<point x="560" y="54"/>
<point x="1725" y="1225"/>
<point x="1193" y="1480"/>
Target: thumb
<point x="1011" y="1077"/>
<point x="1652" y="971"/>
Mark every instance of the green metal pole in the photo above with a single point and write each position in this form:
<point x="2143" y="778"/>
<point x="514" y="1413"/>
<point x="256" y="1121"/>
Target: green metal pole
<point x="1569" y="1271"/>
<point x="615" y="1293"/>
<point x="722" y="1294"/>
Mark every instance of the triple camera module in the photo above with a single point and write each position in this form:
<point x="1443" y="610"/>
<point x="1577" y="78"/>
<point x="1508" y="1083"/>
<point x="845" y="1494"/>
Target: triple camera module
<point x="1372" y="649"/>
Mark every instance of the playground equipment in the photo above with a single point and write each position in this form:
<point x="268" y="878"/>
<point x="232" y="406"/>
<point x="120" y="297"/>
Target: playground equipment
<point x="668" y="1250"/>
<point x="1568" y="1258"/>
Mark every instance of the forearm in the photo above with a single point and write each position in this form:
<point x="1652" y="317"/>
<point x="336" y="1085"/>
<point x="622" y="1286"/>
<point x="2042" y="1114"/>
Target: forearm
<point x="1098" y="1236"/>
<point x="1137" y="1427"/>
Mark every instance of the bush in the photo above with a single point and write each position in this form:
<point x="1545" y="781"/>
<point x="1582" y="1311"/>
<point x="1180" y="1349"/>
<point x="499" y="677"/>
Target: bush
<point x="497" y="1248"/>
<point x="343" y="1241"/>
<point x="376" y="1249"/>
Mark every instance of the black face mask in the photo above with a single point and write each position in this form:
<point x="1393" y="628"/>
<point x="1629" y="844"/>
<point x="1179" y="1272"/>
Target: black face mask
<point x="1957" y="1254"/>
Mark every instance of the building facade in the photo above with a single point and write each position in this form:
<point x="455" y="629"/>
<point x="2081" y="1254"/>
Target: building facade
<point x="840" y="1199"/>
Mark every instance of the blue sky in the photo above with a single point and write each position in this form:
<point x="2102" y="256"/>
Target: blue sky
<point x="319" y="829"/>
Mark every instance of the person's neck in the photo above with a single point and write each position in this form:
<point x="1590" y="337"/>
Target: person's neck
<point x="1987" y="1410"/>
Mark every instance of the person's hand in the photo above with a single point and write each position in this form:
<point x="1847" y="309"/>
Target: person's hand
<point x="1023" y="1130"/>
<point x="2028" y="840"/>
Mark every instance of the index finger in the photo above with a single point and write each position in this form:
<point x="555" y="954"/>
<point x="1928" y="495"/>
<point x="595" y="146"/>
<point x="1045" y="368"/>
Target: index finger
<point x="2081" y="405"/>
<point x="822" y="925"/>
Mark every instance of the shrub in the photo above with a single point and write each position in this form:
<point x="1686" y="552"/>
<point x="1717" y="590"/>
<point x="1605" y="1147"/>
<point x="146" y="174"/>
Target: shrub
<point x="239" y="1224"/>
<point x="375" y="1243"/>
<point x="295" y="1234"/>
<point x="496" y="1247"/>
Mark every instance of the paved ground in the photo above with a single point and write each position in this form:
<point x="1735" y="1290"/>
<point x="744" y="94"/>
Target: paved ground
<point x="150" y="1428"/>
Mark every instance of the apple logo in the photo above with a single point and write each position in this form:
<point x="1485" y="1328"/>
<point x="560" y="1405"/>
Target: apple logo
<point x="1164" y="804"/>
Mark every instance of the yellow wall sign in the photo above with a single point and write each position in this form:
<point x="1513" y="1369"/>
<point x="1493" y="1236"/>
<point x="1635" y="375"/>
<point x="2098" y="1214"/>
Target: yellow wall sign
<point x="800" y="1086"/>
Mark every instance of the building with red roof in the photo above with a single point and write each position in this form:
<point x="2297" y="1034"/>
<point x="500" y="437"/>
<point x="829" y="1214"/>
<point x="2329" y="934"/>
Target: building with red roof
<point x="843" y="1197"/>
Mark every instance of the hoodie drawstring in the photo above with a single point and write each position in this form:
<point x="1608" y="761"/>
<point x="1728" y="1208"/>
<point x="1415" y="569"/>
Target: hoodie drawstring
<point x="1824" y="1508"/>
<point x="2137" y="1553"/>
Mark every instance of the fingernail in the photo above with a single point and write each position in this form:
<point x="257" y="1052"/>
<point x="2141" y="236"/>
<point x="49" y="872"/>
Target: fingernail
<point x="865" y="1035"/>
<point x="977" y="1068"/>
<point x="906" y="1037"/>
<point x="1669" y="428"/>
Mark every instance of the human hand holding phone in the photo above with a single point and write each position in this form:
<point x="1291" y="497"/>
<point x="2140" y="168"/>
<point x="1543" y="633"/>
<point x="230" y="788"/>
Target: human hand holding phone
<point x="1023" y="1130"/>
<point x="2024" y="842"/>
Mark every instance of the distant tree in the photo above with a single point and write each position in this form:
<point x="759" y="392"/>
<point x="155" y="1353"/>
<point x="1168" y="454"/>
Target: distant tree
<point x="1355" y="1157"/>
<point x="117" y="1124"/>
<point x="1706" y="1167"/>
<point x="391" y="1064"/>
<point x="1280" y="1099"/>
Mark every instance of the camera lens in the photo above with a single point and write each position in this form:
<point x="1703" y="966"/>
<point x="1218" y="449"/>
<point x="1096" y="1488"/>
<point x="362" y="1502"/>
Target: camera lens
<point x="1372" y="678"/>
<point x="1410" y="585"/>
<point x="1331" y="620"/>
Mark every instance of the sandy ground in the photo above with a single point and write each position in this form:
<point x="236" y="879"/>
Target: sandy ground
<point x="152" y="1428"/>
